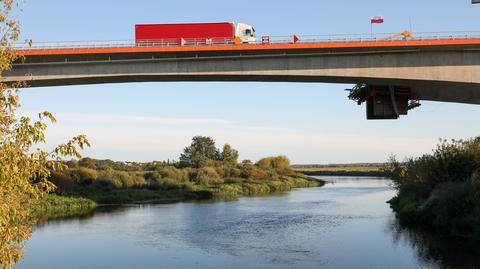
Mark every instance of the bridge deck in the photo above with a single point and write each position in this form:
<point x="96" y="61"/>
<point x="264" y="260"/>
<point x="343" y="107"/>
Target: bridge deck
<point x="251" y="48"/>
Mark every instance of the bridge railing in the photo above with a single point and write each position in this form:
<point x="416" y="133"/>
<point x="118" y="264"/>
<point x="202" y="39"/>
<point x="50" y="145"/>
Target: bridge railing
<point x="302" y="39"/>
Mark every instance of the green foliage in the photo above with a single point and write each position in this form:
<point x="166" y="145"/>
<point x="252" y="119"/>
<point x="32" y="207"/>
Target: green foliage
<point x="24" y="169"/>
<point x="441" y="189"/>
<point x="84" y="176"/>
<point x="208" y="175"/>
<point x="201" y="152"/>
<point x="88" y="163"/>
<point x="218" y="176"/>
<point x="54" y="206"/>
<point x="121" y="179"/>
<point x="235" y="188"/>
<point x="169" y="184"/>
<point x="229" y="155"/>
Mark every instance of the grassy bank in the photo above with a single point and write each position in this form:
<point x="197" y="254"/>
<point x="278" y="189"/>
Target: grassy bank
<point x="441" y="191"/>
<point x="54" y="206"/>
<point x="236" y="189"/>
<point x="229" y="189"/>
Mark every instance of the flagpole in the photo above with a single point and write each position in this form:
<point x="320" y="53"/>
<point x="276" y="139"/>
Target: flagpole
<point x="371" y="30"/>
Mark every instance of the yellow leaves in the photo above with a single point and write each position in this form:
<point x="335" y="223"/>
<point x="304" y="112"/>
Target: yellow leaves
<point x="24" y="173"/>
<point x="48" y="115"/>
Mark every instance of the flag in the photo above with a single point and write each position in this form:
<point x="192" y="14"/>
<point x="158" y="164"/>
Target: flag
<point x="295" y="39"/>
<point x="377" y="19"/>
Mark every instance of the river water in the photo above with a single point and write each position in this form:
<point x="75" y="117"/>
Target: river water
<point x="345" y="224"/>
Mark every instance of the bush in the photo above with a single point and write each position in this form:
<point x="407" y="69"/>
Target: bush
<point x="441" y="189"/>
<point x="280" y="163"/>
<point x="167" y="184"/>
<point x="172" y="172"/>
<point x="207" y="175"/>
<point x="121" y="179"/>
<point x="253" y="173"/>
<point x="84" y="176"/>
<point x="234" y="180"/>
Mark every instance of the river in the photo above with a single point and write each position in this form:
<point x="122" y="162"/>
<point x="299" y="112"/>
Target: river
<point x="345" y="224"/>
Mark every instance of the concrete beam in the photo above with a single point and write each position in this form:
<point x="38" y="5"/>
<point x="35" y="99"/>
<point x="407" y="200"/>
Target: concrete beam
<point x="451" y="75"/>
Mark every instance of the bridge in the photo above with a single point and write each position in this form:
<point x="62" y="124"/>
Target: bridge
<point x="392" y="75"/>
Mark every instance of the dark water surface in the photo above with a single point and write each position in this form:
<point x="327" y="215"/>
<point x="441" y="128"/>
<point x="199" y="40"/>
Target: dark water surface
<point x="345" y="224"/>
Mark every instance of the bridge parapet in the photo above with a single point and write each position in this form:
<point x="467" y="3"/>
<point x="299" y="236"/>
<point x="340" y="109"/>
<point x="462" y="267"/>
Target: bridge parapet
<point x="302" y="39"/>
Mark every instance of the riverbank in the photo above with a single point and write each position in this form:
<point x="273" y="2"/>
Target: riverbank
<point x="85" y="201"/>
<point x="55" y="206"/>
<point x="203" y="172"/>
<point x="440" y="191"/>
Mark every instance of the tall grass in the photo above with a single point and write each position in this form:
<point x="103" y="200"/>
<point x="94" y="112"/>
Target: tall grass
<point x="54" y="206"/>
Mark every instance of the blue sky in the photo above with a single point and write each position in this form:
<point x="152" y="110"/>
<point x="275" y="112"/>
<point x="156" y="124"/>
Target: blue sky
<point x="310" y="123"/>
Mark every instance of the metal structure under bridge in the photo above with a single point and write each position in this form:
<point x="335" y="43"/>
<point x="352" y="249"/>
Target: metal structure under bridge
<point x="393" y="72"/>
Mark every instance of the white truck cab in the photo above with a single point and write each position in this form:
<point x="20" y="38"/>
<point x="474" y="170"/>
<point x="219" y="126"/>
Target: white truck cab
<point x="246" y="33"/>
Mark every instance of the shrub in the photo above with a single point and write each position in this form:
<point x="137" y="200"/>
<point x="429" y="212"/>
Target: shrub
<point x="88" y="163"/>
<point x="167" y="184"/>
<point x="253" y="173"/>
<point x="441" y="189"/>
<point x="234" y="180"/>
<point x="84" y="176"/>
<point x="172" y="172"/>
<point x="122" y="179"/>
<point x="279" y="163"/>
<point x="207" y="175"/>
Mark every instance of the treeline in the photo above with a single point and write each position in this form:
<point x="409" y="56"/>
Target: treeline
<point x="197" y="174"/>
<point x="441" y="190"/>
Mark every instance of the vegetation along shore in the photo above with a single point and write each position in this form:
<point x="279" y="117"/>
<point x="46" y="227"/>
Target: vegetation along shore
<point x="355" y="169"/>
<point x="202" y="172"/>
<point x="441" y="190"/>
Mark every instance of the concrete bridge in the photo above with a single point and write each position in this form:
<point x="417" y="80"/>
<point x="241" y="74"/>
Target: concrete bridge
<point x="437" y="70"/>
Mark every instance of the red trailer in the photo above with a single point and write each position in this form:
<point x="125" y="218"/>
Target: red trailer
<point x="184" y="34"/>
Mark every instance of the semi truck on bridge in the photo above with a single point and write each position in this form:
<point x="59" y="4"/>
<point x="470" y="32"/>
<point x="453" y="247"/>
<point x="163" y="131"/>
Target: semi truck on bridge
<point x="392" y="73"/>
<point x="193" y="34"/>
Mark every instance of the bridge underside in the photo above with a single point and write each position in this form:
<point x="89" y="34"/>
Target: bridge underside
<point x="423" y="89"/>
<point x="448" y="74"/>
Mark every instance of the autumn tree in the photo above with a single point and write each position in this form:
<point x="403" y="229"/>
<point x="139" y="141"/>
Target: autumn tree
<point x="279" y="163"/>
<point x="24" y="168"/>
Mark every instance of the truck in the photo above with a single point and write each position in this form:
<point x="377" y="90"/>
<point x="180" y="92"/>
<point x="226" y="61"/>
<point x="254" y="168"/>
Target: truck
<point x="194" y="34"/>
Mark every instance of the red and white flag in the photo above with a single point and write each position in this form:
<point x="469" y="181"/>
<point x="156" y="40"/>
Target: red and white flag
<point x="377" y="19"/>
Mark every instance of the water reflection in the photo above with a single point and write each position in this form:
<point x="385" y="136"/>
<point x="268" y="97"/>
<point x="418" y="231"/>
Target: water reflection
<point x="83" y="218"/>
<point x="433" y="249"/>
<point x="346" y="224"/>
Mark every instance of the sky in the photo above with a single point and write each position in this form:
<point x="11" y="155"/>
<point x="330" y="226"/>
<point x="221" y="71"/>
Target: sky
<point x="310" y="123"/>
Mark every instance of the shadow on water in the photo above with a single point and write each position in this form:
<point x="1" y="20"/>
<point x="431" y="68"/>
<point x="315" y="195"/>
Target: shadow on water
<point x="83" y="218"/>
<point x="431" y="248"/>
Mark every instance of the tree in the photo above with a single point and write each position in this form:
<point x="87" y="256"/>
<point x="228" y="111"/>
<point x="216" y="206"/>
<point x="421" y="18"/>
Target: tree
<point x="24" y="169"/>
<point x="199" y="153"/>
<point x="279" y="163"/>
<point x="229" y="155"/>
<point x="88" y="163"/>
